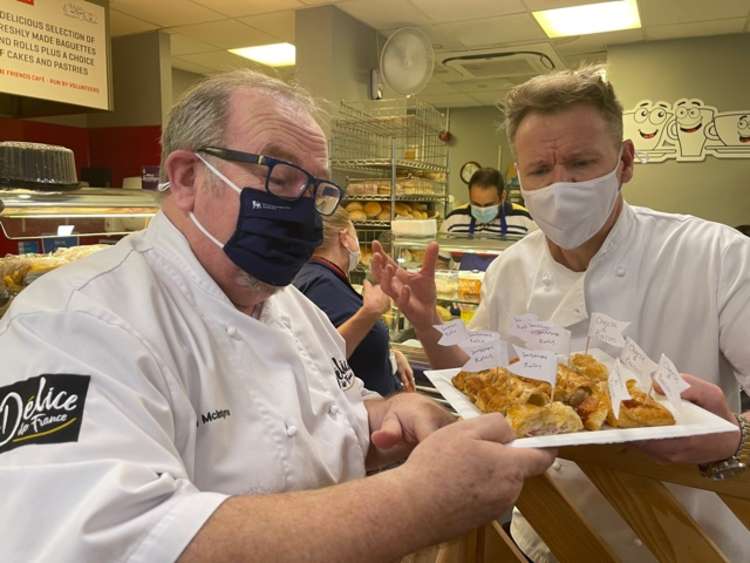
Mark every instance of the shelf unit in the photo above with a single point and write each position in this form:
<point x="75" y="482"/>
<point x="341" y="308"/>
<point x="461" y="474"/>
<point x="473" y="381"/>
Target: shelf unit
<point x="389" y="152"/>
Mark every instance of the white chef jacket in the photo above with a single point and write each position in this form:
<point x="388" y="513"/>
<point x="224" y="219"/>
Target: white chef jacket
<point x="684" y="285"/>
<point x="189" y="401"/>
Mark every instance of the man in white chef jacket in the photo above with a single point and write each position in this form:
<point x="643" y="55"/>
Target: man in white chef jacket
<point x="174" y="397"/>
<point x="682" y="283"/>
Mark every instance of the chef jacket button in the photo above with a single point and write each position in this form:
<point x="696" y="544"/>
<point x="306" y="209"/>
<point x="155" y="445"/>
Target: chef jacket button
<point x="334" y="410"/>
<point x="231" y="331"/>
<point x="557" y="466"/>
<point x="620" y="271"/>
<point x="547" y="280"/>
<point x="291" y="430"/>
<point x="638" y="542"/>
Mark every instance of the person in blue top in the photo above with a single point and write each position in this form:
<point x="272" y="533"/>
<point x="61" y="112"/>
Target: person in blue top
<point x="325" y="281"/>
<point x="488" y="214"/>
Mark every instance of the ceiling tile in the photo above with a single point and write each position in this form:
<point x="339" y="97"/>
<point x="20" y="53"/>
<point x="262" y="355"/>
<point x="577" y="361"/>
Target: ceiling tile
<point x="488" y="31"/>
<point x="482" y="86"/>
<point x="165" y="14"/>
<point x="596" y="41"/>
<point x="182" y="64"/>
<point x="123" y="24"/>
<point x="675" y="31"/>
<point x="384" y="14"/>
<point x="665" y="12"/>
<point x="441" y="11"/>
<point x="228" y="34"/>
<point x="278" y="24"/>
<point x="440" y="41"/>
<point x="236" y="8"/>
<point x="219" y="61"/>
<point x="537" y="5"/>
<point x="436" y="87"/>
<point x="183" y="45"/>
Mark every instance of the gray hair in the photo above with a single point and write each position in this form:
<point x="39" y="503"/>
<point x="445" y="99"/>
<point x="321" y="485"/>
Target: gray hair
<point x="556" y="91"/>
<point x="200" y="117"/>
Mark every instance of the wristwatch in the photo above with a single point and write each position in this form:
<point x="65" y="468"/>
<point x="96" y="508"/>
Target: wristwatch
<point x="739" y="462"/>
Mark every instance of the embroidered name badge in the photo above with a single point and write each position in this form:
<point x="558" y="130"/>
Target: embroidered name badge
<point x="344" y="374"/>
<point x="47" y="409"/>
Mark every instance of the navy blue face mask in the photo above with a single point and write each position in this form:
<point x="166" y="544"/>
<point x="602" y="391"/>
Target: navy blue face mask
<point x="274" y="237"/>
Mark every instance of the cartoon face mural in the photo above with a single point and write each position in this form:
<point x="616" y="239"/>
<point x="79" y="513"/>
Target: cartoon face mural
<point x="731" y="129"/>
<point x="645" y="125"/>
<point x="686" y="131"/>
<point x="688" y="127"/>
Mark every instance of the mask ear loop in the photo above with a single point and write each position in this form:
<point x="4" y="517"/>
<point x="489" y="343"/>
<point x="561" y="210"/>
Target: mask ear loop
<point x="215" y="170"/>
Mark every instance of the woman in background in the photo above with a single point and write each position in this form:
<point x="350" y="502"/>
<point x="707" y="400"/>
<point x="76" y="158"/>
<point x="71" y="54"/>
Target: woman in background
<point x="325" y="281"/>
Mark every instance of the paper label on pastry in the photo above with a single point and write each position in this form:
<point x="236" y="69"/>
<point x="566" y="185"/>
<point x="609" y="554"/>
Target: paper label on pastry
<point x="520" y="325"/>
<point x="477" y="337"/>
<point x="636" y="360"/>
<point x="618" y="389"/>
<point x="670" y="381"/>
<point x="536" y="364"/>
<point x="543" y="335"/>
<point x="486" y="356"/>
<point x="453" y="332"/>
<point x="607" y="330"/>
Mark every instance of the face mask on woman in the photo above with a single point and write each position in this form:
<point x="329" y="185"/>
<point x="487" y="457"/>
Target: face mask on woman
<point x="354" y="255"/>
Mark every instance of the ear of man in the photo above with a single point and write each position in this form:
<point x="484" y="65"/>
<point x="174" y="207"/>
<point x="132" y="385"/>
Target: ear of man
<point x="183" y="173"/>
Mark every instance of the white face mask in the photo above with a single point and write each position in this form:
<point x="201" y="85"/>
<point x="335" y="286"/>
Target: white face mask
<point x="354" y="256"/>
<point x="570" y="213"/>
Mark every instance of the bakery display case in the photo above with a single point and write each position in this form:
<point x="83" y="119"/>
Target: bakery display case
<point x="458" y="291"/>
<point x="47" y="220"/>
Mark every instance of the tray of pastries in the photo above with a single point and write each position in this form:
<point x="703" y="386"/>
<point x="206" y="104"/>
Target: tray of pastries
<point x="578" y="412"/>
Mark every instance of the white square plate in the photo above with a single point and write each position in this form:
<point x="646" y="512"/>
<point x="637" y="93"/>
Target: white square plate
<point x="691" y="420"/>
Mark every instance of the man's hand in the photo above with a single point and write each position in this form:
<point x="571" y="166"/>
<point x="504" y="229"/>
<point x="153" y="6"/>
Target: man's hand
<point x="413" y="292"/>
<point x="374" y="300"/>
<point x="464" y="470"/>
<point x="404" y="371"/>
<point x="404" y="420"/>
<point x="698" y="449"/>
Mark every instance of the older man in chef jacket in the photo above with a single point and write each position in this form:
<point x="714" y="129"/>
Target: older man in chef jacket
<point x="682" y="283"/>
<point x="174" y="397"/>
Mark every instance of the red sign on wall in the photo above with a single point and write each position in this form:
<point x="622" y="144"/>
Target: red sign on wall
<point x="30" y="2"/>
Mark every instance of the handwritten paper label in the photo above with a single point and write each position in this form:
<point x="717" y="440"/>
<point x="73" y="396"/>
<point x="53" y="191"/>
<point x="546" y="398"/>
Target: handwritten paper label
<point x="486" y="356"/>
<point x="670" y="381"/>
<point x="520" y="325"/>
<point x="453" y="332"/>
<point x="618" y="389"/>
<point x="536" y="364"/>
<point x="544" y="335"/>
<point x="636" y="360"/>
<point x="607" y="330"/>
<point x="481" y="337"/>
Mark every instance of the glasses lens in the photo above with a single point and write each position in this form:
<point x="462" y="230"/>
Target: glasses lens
<point x="287" y="181"/>
<point x="327" y="198"/>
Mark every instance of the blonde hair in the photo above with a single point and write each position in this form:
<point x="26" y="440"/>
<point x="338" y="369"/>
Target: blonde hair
<point x="200" y="117"/>
<point x="557" y="91"/>
<point x="332" y="226"/>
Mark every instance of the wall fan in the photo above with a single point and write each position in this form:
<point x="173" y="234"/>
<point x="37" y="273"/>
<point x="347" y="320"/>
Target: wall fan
<point x="407" y="61"/>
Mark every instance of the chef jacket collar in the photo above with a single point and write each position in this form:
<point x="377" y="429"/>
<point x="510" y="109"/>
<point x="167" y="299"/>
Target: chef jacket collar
<point x="572" y="307"/>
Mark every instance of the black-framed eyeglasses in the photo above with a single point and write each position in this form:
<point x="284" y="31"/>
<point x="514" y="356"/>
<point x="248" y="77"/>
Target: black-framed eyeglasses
<point x="286" y="180"/>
